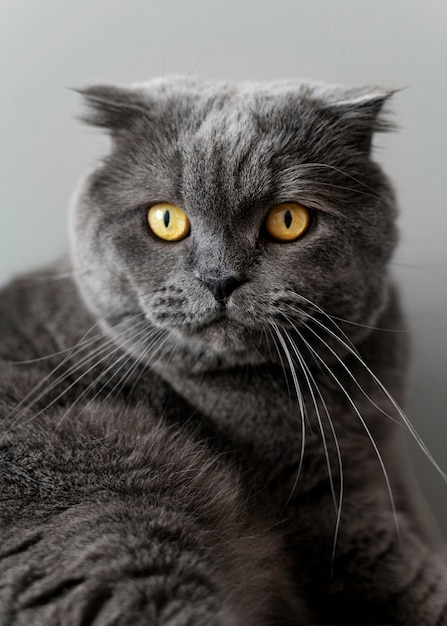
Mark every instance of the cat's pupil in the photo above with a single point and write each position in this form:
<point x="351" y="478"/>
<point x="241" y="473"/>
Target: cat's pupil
<point x="287" y="219"/>
<point x="167" y="218"/>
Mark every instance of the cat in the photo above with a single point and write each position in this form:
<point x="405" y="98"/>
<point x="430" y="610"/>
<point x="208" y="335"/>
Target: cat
<point x="200" y="408"/>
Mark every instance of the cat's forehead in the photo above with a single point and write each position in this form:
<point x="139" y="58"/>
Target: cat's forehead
<point x="214" y="133"/>
<point x="211" y="106"/>
<point x="216" y="143"/>
<point x="233" y="142"/>
<point x="225" y="156"/>
<point x="230" y="125"/>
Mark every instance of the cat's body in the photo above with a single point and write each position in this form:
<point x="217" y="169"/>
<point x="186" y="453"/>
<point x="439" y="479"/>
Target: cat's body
<point x="201" y="458"/>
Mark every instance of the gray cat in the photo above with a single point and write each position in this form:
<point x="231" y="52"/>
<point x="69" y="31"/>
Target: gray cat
<point x="200" y="410"/>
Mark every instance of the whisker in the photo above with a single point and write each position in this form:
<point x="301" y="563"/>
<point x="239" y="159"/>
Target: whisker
<point x="317" y="410"/>
<point x="340" y="171"/>
<point x="286" y="378"/>
<point x="121" y="383"/>
<point x="300" y="404"/>
<point x="125" y="356"/>
<point x="27" y="281"/>
<point x="65" y="391"/>
<point x="400" y="412"/>
<point x="334" y="210"/>
<point x="173" y="350"/>
<point x="92" y="385"/>
<point x="200" y="59"/>
<point x="77" y="366"/>
<point x="72" y="351"/>
<point x="367" y="430"/>
<point x="153" y="356"/>
<point x="323" y="312"/>
<point x="403" y="331"/>
<point x="118" y="387"/>
<point x="338" y="505"/>
<point x="103" y="347"/>
<point x="350" y="374"/>
<point x="82" y="343"/>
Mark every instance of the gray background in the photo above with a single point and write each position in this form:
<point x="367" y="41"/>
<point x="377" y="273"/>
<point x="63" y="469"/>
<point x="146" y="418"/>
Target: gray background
<point x="48" y="46"/>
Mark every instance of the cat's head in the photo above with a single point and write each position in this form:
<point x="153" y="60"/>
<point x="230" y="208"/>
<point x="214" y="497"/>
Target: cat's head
<point x="265" y="209"/>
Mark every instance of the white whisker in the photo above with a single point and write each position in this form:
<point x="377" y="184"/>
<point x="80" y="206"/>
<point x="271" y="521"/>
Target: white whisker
<point x="350" y="374"/>
<point x="286" y="378"/>
<point x="77" y="366"/>
<point x="317" y="410"/>
<point x="365" y="426"/>
<point x="400" y="412"/>
<point x="124" y="357"/>
<point x="118" y="387"/>
<point x="309" y="377"/>
<point x="374" y="193"/>
<point x="323" y="312"/>
<point x="300" y="404"/>
<point x="80" y="345"/>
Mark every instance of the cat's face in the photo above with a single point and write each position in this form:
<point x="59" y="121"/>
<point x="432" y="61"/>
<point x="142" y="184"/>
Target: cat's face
<point x="227" y="156"/>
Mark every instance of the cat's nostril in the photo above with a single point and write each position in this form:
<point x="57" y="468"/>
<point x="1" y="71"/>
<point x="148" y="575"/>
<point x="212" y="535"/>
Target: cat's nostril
<point x="221" y="288"/>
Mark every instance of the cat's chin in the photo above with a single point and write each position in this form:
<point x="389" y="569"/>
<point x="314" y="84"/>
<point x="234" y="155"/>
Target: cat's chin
<point x="222" y="337"/>
<point x="218" y="345"/>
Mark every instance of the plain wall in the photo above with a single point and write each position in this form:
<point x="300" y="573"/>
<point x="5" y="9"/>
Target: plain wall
<point x="48" y="46"/>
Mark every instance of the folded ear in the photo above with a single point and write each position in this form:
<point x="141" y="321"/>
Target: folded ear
<point x="362" y="113"/>
<point x="113" y="108"/>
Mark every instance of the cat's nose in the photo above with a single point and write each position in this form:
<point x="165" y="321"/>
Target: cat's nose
<point x="221" y="287"/>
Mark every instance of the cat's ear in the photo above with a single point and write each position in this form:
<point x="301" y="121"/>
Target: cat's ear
<point x="115" y="109"/>
<point x="362" y="113"/>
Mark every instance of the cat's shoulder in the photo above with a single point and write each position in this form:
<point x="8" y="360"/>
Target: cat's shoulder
<point x="40" y="313"/>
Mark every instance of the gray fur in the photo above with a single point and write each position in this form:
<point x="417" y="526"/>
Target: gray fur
<point x="167" y="458"/>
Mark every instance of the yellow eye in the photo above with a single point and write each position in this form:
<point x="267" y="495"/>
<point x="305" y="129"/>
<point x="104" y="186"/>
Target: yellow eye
<point x="168" y="221"/>
<point x="287" y="221"/>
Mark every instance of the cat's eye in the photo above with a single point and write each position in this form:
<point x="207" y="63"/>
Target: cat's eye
<point x="287" y="221"/>
<point x="168" y="221"/>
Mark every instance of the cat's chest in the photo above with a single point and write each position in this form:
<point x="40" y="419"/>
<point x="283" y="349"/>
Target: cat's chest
<point x="255" y="409"/>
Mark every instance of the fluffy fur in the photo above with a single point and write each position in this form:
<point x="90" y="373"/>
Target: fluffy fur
<point x="169" y="458"/>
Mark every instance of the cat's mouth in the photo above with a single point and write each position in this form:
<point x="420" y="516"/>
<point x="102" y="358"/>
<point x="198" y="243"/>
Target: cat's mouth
<point x="220" y="326"/>
<point x="219" y="319"/>
<point x="222" y="330"/>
